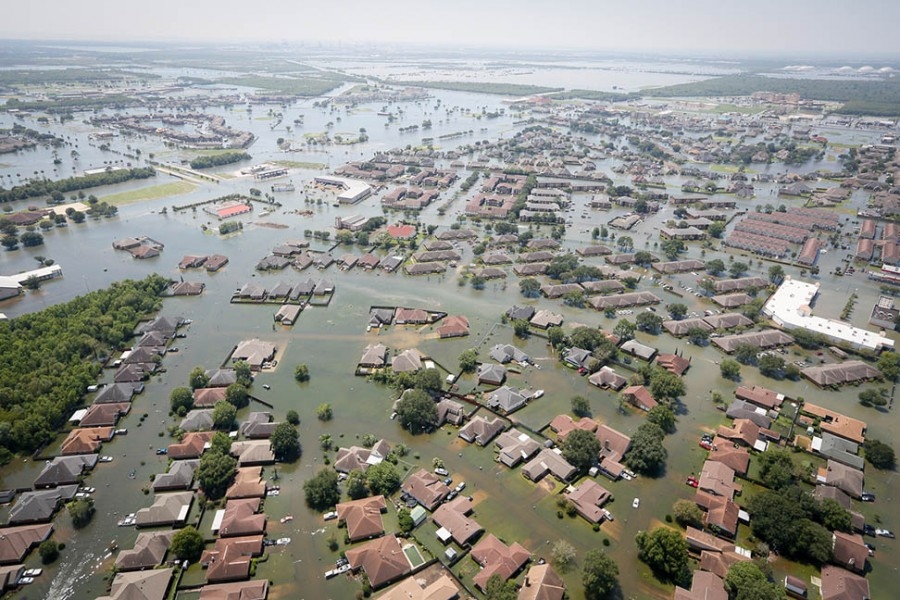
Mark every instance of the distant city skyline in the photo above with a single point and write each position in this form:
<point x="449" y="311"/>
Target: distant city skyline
<point x="709" y="27"/>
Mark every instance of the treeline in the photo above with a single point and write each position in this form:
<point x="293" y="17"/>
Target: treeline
<point x="481" y="87"/>
<point x="594" y="95"/>
<point x="69" y="104"/>
<point x="46" y="187"/>
<point x="40" y="77"/>
<point x="217" y="160"/>
<point x="48" y="358"/>
<point x="862" y="95"/>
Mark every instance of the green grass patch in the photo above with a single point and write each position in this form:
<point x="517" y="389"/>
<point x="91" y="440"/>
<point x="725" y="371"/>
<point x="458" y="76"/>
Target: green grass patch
<point x="482" y="87"/>
<point x="295" y="164"/>
<point x="153" y="192"/>
<point x="729" y="169"/>
<point x="297" y="86"/>
<point x="746" y="110"/>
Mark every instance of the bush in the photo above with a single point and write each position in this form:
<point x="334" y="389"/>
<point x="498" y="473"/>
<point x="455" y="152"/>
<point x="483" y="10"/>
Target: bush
<point x="49" y="551"/>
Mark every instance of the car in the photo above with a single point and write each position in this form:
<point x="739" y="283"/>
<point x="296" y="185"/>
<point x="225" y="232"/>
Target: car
<point x="25" y="580"/>
<point x="453" y="494"/>
<point x="705" y="445"/>
<point x="870" y="548"/>
<point x="105" y="459"/>
<point x="448" y="481"/>
<point x="460" y="486"/>
<point x="885" y="533"/>
<point x="162" y="451"/>
<point x="441" y="471"/>
<point x="867" y="497"/>
<point x="337" y="571"/>
<point x="693" y="482"/>
<point x="341" y="562"/>
<point x="32" y="572"/>
<point x="87" y="490"/>
<point x="636" y="503"/>
<point x="608" y="515"/>
<point x="330" y="515"/>
<point x="266" y="386"/>
<point x="869" y="530"/>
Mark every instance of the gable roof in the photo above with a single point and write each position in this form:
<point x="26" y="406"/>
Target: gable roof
<point x="496" y="558"/>
<point x="140" y="585"/>
<point x="453" y="516"/>
<point x="230" y="558"/>
<point x="427" y="488"/>
<point x="248" y="483"/>
<point x="149" y="550"/>
<point x="382" y="559"/>
<point x="179" y="476"/>
<point x="481" y="430"/>
<point x="17" y="542"/>
<point x="167" y="509"/>
<point x="65" y="470"/>
<point x="240" y="518"/>
<point x="191" y="445"/>
<point x="542" y="583"/>
<point x="362" y="517"/>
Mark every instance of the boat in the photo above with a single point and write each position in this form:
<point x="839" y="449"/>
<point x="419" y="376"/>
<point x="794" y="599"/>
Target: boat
<point x="132" y="475"/>
<point x="287" y="519"/>
<point x="538" y="394"/>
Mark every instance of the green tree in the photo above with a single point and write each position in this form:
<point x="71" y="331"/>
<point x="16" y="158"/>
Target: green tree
<point x="31" y="239"/>
<point x="649" y="322"/>
<point x="697" y="336"/>
<point x="672" y="248"/>
<point x="81" y="511"/>
<point x="285" y="442"/>
<point x="181" y="400"/>
<point x="581" y="407"/>
<point x="677" y="310"/>
<point x="49" y="551"/>
<point x="642" y="257"/>
<point x="581" y="449"/>
<point x="599" y="575"/>
<point x="198" y="378"/>
<point x="833" y="516"/>
<point x="417" y="412"/>
<point x="745" y="581"/>
<point x="356" y="485"/>
<point x="879" y="454"/>
<point x="776" y="469"/>
<point x="301" y="373"/>
<point x="237" y="395"/>
<point x="324" y="412"/>
<point x="624" y="329"/>
<point x="771" y="365"/>
<point x="872" y="397"/>
<point x="716" y="229"/>
<point x="776" y="274"/>
<point x="292" y="417"/>
<point x="666" y="385"/>
<point x="521" y="328"/>
<point x="223" y="415"/>
<point x="187" y="544"/>
<point x="216" y="473"/>
<point x="322" y="491"/>
<point x="468" y="360"/>
<point x="715" y="266"/>
<point x="498" y="589"/>
<point x="647" y="455"/>
<point x="428" y="380"/>
<point x="405" y="521"/>
<point x="555" y="336"/>
<point x="737" y="268"/>
<point x="663" y="416"/>
<point x="220" y="443"/>
<point x="687" y="513"/>
<point x="745" y="354"/>
<point x="889" y="365"/>
<point x="383" y="478"/>
<point x="562" y="555"/>
<point x="530" y="287"/>
<point x="625" y="243"/>
<point x="665" y="551"/>
<point x="243" y="373"/>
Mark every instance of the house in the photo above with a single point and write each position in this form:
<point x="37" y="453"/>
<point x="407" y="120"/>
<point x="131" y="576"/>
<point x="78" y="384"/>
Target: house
<point x="254" y="352"/>
<point x="846" y="479"/>
<point x="732" y="455"/>
<point x="542" y="583"/>
<point x="17" y="542"/>
<point x="504" y="353"/>
<point x="450" y="411"/>
<point x="454" y="523"/>
<point x="362" y="517"/>
<point x="256" y="589"/>
<point x="248" y="483"/>
<point x="86" y="441"/>
<point x="577" y="358"/>
<point x="241" y="517"/>
<point x="613" y="446"/>
<point x="639" y="397"/>
<point x="718" y="479"/>
<point x="588" y="498"/>
<point x="826" y="492"/>
<point x="180" y="476"/>
<point x="491" y="374"/>
<point x="215" y="262"/>
<point x="104" y="415"/>
<point x="454" y="326"/>
<point x="561" y="425"/>
<point x="221" y="377"/>
<point x="65" y="470"/>
<point x="760" y="396"/>
<point x="545" y="319"/>
<point x="197" y="420"/>
<point x="520" y="312"/>
<point x="836" y="423"/>
<point x="167" y="509"/>
<point x="838" y="449"/>
<point x="413" y="588"/>
<point x="850" y="371"/>
<point x="515" y="446"/>
<point x="721" y="513"/>
<point x="704" y="586"/>
<point x="408" y="361"/>
<point x="191" y="445"/>
<point x="383" y="560"/>
<point x="743" y="431"/>
<point x="230" y="558"/>
<point x="841" y="584"/>
<point x="635" y="348"/>
<point x="258" y="425"/>
<point x="208" y="397"/>
<point x="606" y="377"/>
<point x="496" y="558"/>
<point x="549" y="462"/>
<point x="116" y="393"/>
<point x="40" y="505"/>
<point x="427" y="488"/>
<point x="507" y="399"/>
<point x="141" y="585"/>
<point x="148" y="552"/>
<point x="673" y="363"/>
<point x="849" y="551"/>
<point x="253" y="452"/>
<point x="358" y="458"/>
<point x="481" y="430"/>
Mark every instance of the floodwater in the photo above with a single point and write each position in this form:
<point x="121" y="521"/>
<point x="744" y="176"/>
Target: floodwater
<point x="331" y="339"/>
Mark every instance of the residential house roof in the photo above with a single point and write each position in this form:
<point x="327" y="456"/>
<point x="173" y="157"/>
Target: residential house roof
<point x="496" y="558"/>
<point x="412" y="588"/>
<point x="104" y="415"/>
<point x="563" y="424"/>
<point x="542" y="583"/>
<point x="503" y="353"/>
<point x="545" y="319"/>
<point x="258" y="425"/>
<point x="17" y="542"/>
<point x="207" y="397"/>
<point x="427" y="488"/>
<point x="254" y="352"/>
<point x="718" y="479"/>
<point x="230" y="558"/>
<point x="362" y="517"/>
<point x="248" y="483"/>
<point x="841" y="584"/>
<point x="253" y="452"/>
<point x="516" y="446"/>
<point x="742" y="431"/>
<point x="721" y="513"/>
<point x="506" y="399"/>
<point x="635" y="348"/>
<point x="450" y="411"/>
<point x="836" y="423"/>
<point x="180" y="476"/>
<point x="115" y="393"/>
<point x="640" y="397"/>
<point x="374" y="356"/>
<point x="848" y="371"/>
<point x="167" y="509"/>
<point x="760" y="396"/>
<point x="65" y="470"/>
<point x="828" y="492"/>
<point x="140" y="585"/>
<point x="241" y="518"/>
<point x="454" y="326"/>
<point x="845" y="478"/>
<point x="606" y="377"/>
<point x="850" y="551"/>
<point x="86" y="441"/>
<point x="39" y="505"/>
<point x="732" y="455"/>
<point x="491" y="373"/>
<point x="149" y="550"/>
<point x="704" y="586"/>
<point x="256" y="589"/>
<point x="673" y="363"/>
<point x="481" y="430"/>
<point x="197" y="420"/>
<point x="408" y="361"/>
<point x="382" y="559"/>
<point x="453" y="517"/>
<point x="548" y="462"/>
<point x="613" y="444"/>
<point x="191" y="445"/>
<point x="589" y="498"/>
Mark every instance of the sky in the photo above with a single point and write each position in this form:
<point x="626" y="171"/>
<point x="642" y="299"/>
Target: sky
<point x="728" y="27"/>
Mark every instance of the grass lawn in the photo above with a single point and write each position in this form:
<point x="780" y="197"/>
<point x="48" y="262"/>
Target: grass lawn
<point x="153" y="192"/>
<point x="747" y="110"/>
<point x="729" y="169"/>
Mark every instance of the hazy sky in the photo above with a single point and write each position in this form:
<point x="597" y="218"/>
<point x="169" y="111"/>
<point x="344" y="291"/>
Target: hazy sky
<point x="787" y="27"/>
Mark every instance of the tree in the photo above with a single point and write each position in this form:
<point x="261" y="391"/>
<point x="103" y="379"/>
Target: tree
<point x="776" y="274"/>
<point x="468" y="360"/>
<point x="642" y="257"/>
<point x="356" y="485"/>
<point x="181" y="400"/>
<point x="595" y="233"/>
<point x="745" y="581"/>
<point x="776" y="469"/>
<point x="417" y="412"/>
<point x="530" y="287"/>
<point x="715" y="266"/>
<point x="716" y="229"/>
<point x="771" y="365"/>
<point x="555" y="336"/>
<point x="220" y="443"/>
<point x="322" y="491"/>
<point x="599" y="575"/>
<point x="581" y="449"/>
<point x="677" y="310"/>
<point x="498" y="589"/>
<point x="792" y="372"/>
<point x="49" y="551"/>
<point x="649" y="322"/>
<point x="737" y="268"/>
<point x="581" y="407"/>
<point x="697" y="336"/>
<point x="324" y="412"/>
<point x="665" y="551"/>
<point x="562" y="555"/>
<point x="604" y="232"/>
<point x="285" y="442"/>
<point x="666" y="385"/>
<point x="833" y="516"/>
<point x="672" y="248"/>
<point x="889" y="365"/>
<point x="215" y="473"/>
<point x="301" y="373"/>
<point x="243" y="373"/>
<point x="647" y="454"/>
<point x="405" y="520"/>
<point x="31" y="239"/>
<point x="237" y="395"/>
<point x="198" y="378"/>
<point x="730" y="369"/>
<point x="745" y="354"/>
<point x="879" y="454"/>
<point x="223" y="415"/>
<point x="383" y="478"/>
<point x="187" y="544"/>
<point x="624" y="329"/>
<point x="292" y="417"/>
<point x="625" y="242"/>
<point x="872" y="397"/>
<point x="663" y="416"/>
<point x="428" y="380"/>
<point x="687" y="513"/>
<point x="81" y="511"/>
